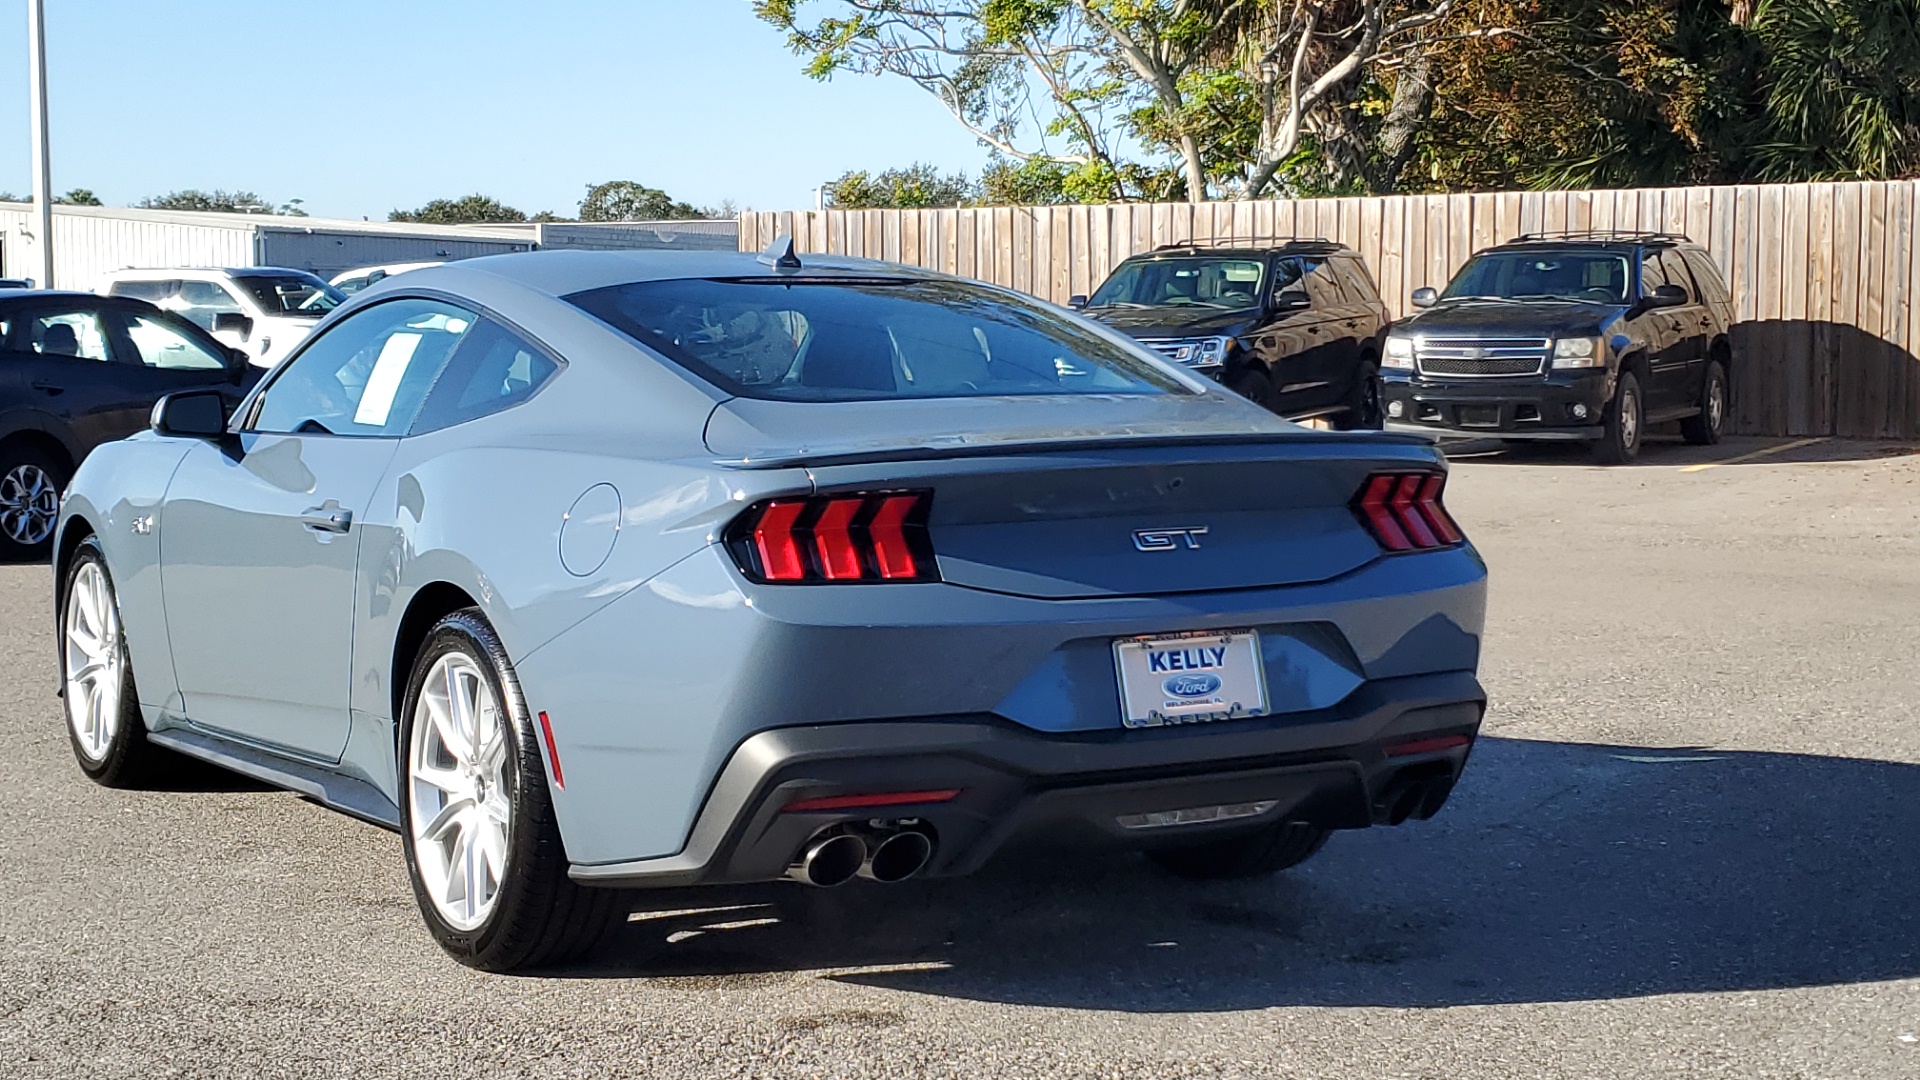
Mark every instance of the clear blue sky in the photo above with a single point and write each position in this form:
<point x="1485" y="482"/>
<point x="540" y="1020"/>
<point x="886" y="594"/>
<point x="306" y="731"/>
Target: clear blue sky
<point x="362" y="106"/>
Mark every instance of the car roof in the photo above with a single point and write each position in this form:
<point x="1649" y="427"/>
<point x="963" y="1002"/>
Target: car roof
<point x="1598" y="240"/>
<point x="1294" y="246"/>
<point x="563" y="273"/>
<point x="164" y="273"/>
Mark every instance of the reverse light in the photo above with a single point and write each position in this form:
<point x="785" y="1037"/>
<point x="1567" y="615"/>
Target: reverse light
<point x="1404" y="512"/>
<point x="850" y="539"/>
<point x="1398" y="353"/>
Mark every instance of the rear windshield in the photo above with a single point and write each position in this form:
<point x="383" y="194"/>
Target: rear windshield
<point x="1598" y="277"/>
<point x="301" y="295"/>
<point x="848" y="340"/>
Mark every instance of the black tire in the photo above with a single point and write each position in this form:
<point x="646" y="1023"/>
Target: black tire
<point x="1254" y="385"/>
<point x="1258" y="854"/>
<point x="1705" y="428"/>
<point x="1365" y="411"/>
<point x="31" y="480"/>
<point x="539" y="916"/>
<point x="127" y="759"/>
<point x="1626" y="423"/>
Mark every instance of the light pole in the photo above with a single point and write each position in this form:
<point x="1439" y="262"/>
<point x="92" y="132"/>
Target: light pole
<point x="37" y="95"/>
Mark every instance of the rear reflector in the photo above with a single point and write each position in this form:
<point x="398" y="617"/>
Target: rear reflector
<point x="1428" y="746"/>
<point x="868" y="802"/>
<point x="553" y="752"/>
<point x="1404" y="511"/>
<point x="836" y="539"/>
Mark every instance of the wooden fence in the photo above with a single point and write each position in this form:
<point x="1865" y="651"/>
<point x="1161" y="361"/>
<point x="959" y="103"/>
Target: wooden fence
<point x="1823" y="275"/>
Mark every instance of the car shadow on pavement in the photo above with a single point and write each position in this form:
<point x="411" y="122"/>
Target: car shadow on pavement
<point x="1559" y="872"/>
<point x="1670" y="451"/>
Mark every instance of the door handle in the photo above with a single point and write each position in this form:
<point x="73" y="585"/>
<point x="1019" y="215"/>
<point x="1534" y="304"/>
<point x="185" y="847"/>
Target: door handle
<point x="328" y="518"/>
<point x="47" y="387"/>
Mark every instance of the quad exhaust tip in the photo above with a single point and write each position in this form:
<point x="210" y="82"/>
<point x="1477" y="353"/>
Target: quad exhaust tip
<point x="830" y="860"/>
<point x="898" y="857"/>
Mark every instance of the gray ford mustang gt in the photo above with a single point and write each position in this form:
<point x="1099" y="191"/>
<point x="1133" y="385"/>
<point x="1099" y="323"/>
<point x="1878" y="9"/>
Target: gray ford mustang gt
<point x="589" y="572"/>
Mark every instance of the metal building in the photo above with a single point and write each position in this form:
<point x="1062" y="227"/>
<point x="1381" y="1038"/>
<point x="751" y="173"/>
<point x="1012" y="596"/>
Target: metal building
<point x="92" y="241"/>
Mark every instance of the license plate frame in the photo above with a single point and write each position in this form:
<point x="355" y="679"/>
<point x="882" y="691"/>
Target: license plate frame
<point x="1147" y="699"/>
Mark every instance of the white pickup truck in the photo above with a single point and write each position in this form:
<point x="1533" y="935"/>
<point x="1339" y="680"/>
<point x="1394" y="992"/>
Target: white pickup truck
<point x="264" y="311"/>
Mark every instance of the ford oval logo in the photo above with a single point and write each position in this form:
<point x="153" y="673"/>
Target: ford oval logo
<point x="1191" y="686"/>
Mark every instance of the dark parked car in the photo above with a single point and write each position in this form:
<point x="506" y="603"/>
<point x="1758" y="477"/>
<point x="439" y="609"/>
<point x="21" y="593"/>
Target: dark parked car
<point x="78" y="370"/>
<point x="1296" y="327"/>
<point x="1581" y="336"/>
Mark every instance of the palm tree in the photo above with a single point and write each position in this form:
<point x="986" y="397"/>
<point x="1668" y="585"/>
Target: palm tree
<point x="1841" y="89"/>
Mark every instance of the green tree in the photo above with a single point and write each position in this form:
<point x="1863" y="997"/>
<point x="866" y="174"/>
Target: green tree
<point x="78" y="197"/>
<point x="913" y="187"/>
<point x="473" y="209"/>
<point x="216" y="201"/>
<point x="626" y="200"/>
<point x="1841" y="97"/>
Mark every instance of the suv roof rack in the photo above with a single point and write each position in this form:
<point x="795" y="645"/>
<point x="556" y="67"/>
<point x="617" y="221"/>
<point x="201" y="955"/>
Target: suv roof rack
<point x="1251" y="242"/>
<point x="1604" y="234"/>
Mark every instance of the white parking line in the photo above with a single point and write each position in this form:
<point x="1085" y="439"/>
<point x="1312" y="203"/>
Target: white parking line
<point x="1767" y="451"/>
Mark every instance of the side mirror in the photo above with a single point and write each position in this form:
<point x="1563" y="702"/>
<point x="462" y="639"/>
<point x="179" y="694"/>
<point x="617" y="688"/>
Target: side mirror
<point x="1667" y="296"/>
<point x="191" y="414"/>
<point x="234" y="321"/>
<point x="1292" y="301"/>
<point x="1426" y="297"/>
<point x="1077" y="301"/>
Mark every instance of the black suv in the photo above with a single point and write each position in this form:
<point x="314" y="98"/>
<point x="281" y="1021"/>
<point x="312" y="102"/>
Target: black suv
<point x="1296" y="327"/>
<point x="1576" y="336"/>
<point x="78" y="370"/>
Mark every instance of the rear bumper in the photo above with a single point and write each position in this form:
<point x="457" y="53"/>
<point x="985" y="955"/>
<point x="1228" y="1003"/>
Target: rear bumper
<point x="1560" y="405"/>
<point x="1330" y="768"/>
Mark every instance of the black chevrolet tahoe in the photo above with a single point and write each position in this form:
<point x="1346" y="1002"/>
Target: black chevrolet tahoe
<point x="1296" y="327"/>
<point x="1577" y="336"/>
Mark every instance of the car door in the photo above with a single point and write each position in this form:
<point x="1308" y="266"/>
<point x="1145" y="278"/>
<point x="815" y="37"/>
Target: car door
<point x="70" y="371"/>
<point x="1666" y="343"/>
<point x="203" y="302"/>
<point x="161" y="354"/>
<point x="1316" y="378"/>
<point x="259" y="538"/>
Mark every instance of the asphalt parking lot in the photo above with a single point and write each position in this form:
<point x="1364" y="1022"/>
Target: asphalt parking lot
<point x="1688" y="846"/>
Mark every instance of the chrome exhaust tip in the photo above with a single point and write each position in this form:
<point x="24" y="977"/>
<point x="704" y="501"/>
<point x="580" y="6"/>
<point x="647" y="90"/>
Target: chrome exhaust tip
<point x="829" y="861"/>
<point x="898" y="857"/>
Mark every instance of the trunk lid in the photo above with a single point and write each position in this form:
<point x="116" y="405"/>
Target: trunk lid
<point x="1136" y="497"/>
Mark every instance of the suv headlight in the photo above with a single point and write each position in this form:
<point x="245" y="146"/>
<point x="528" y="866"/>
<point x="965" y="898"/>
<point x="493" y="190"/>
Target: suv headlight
<point x="1583" y="352"/>
<point x="1210" y="352"/>
<point x="1398" y="353"/>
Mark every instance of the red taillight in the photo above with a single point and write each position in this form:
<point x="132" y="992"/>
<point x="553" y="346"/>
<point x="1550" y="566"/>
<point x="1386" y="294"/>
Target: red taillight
<point x="836" y="539"/>
<point x="775" y="543"/>
<point x="869" y="802"/>
<point x="1403" y="511"/>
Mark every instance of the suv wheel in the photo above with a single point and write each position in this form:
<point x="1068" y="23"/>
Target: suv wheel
<point x="1268" y="851"/>
<point x="1626" y="418"/>
<point x="1364" y="411"/>
<point x="1253" y="384"/>
<point x="31" y="480"/>
<point x="1704" y="429"/>
<point x="483" y="849"/>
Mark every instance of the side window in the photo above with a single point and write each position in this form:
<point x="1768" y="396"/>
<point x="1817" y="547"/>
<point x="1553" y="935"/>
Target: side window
<point x="1358" y="283"/>
<point x="1289" y="277"/>
<point x="1677" y="273"/>
<point x="200" y="301"/>
<point x="493" y="369"/>
<point x="75" y="333"/>
<point x="1713" y="288"/>
<point x="150" y="291"/>
<point x="368" y="375"/>
<point x="164" y="346"/>
<point x="1652" y="275"/>
<point x="1322" y="284"/>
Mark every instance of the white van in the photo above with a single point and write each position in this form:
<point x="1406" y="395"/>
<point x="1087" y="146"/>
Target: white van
<point x="264" y="311"/>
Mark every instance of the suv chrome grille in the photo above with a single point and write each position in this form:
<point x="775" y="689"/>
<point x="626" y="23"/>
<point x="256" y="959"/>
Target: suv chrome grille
<point x="1481" y="358"/>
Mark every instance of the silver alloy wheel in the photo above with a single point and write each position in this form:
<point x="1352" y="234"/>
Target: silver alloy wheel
<point x="29" y="505"/>
<point x="94" y="668"/>
<point x="460" y="806"/>
<point x="1716" y="404"/>
<point x="1630" y="418"/>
